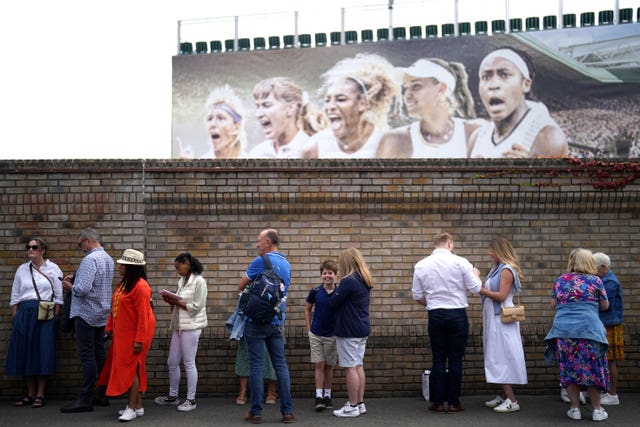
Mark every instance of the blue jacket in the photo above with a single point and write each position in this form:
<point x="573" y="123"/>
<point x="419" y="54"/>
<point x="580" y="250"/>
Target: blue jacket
<point x="351" y="302"/>
<point x="577" y="320"/>
<point x="612" y="316"/>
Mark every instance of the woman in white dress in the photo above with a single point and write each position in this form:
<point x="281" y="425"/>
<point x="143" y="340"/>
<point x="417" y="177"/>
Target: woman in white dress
<point x="286" y="116"/>
<point x="436" y="93"/>
<point x="360" y="92"/>
<point x="503" y="354"/>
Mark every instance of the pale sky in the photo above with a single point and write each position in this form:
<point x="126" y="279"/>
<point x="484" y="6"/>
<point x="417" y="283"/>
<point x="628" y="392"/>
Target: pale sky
<point x="82" y="79"/>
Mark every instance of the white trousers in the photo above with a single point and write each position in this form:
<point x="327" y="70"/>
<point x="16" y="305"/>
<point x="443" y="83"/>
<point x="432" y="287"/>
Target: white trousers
<point x="184" y="346"/>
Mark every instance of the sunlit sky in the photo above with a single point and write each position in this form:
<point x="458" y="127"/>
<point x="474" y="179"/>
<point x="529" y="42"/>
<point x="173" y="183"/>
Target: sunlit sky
<point x="82" y="79"/>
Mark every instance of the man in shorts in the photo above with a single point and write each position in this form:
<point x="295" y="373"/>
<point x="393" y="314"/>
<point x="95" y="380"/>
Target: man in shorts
<point x="612" y="321"/>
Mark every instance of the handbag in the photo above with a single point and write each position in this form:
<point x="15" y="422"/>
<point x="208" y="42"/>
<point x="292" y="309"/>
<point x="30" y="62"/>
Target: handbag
<point x="512" y="314"/>
<point x="45" y="308"/>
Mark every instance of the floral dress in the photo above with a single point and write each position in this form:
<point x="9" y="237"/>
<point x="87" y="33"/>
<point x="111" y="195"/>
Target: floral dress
<point x="577" y="357"/>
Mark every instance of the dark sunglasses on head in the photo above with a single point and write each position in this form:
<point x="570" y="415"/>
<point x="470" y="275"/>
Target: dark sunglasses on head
<point x="34" y="247"/>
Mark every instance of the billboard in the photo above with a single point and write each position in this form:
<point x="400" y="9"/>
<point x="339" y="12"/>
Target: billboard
<point x="553" y="93"/>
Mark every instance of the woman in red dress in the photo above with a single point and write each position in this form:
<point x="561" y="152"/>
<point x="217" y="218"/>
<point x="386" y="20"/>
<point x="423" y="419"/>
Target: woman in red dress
<point x="131" y="325"/>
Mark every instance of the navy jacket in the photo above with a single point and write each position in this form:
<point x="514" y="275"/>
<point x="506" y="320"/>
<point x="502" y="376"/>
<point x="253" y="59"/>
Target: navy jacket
<point x="351" y="303"/>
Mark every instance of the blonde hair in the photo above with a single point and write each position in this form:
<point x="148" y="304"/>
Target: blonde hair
<point x="460" y="100"/>
<point x="582" y="261"/>
<point x="308" y="117"/>
<point x="506" y="254"/>
<point x="372" y="74"/>
<point x="442" y="238"/>
<point x="351" y="261"/>
<point x="225" y="96"/>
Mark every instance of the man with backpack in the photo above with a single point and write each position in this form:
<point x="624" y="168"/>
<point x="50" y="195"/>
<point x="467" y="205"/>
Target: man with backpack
<point x="258" y="333"/>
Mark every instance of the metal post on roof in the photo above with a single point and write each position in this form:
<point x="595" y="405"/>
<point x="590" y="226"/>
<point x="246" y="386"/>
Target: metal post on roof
<point x="391" y="37"/>
<point x="179" y="36"/>
<point x="560" y="13"/>
<point x="616" y="12"/>
<point x="342" y="24"/>
<point x="235" y="38"/>
<point x="506" y="17"/>
<point x="456" y="30"/>
<point x="296" y="42"/>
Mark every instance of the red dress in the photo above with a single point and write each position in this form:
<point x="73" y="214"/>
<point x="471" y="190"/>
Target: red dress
<point x="131" y="320"/>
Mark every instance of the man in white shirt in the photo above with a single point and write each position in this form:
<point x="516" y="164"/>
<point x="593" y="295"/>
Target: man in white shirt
<point x="440" y="283"/>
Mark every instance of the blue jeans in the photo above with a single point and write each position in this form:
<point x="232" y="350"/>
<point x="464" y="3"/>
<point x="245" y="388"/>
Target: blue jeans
<point x="92" y="356"/>
<point x="448" y="332"/>
<point x="256" y="337"/>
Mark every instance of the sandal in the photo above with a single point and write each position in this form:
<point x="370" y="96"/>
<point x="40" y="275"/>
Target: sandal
<point x="25" y="401"/>
<point x="38" y="402"/>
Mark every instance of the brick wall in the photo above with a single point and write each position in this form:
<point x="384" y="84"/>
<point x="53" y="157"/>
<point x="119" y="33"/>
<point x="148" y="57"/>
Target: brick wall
<point x="388" y="209"/>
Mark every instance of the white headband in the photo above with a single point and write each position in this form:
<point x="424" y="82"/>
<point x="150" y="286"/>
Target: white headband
<point x="510" y="56"/>
<point x="423" y="68"/>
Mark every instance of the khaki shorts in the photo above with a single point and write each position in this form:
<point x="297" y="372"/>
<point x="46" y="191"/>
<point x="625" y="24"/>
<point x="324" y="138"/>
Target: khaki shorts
<point x="323" y="349"/>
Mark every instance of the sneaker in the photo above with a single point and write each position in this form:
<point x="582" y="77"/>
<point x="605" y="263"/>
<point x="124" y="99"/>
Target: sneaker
<point x="564" y="395"/>
<point x="139" y="411"/>
<point x="361" y="408"/>
<point x="167" y="400"/>
<point x="327" y="402"/>
<point x="187" y="405"/>
<point x="599" y="414"/>
<point x="507" y="406"/>
<point x="494" y="402"/>
<point x="347" y="411"/>
<point x="609" y="399"/>
<point x="319" y="404"/>
<point x="129" y="414"/>
<point x="575" y="414"/>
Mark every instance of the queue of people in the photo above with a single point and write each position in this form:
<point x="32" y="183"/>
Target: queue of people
<point x="337" y="320"/>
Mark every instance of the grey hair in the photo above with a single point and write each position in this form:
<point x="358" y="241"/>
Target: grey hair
<point x="602" y="259"/>
<point x="90" y="233"/>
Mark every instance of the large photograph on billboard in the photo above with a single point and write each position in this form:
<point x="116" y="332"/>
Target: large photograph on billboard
<point x="570" y="92"/>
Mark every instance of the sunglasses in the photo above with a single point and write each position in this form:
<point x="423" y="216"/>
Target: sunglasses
<point x="34" y="247"/>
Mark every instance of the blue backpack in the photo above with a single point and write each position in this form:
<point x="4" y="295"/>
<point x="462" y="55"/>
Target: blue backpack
<point x="261" y="299"/>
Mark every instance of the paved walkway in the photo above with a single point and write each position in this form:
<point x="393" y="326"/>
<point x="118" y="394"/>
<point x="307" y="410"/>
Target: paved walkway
<point x="544" y="411"/>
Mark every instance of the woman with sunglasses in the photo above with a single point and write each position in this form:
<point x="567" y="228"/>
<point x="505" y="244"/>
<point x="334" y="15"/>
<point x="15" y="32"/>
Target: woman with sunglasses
<point x="32" y="346"/>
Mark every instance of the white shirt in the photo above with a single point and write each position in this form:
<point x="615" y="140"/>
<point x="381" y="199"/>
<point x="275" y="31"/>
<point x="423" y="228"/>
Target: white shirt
<point x="455" y="148"/>
<point x="444" y="279"/>
<point x="22" y="289"/>
<point x="328" y="147"/>
<point x="526" y="131"/>
<point x="267" y="149"/>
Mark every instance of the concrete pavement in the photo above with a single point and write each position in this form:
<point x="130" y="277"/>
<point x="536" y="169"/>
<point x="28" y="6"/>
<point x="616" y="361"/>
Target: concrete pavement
<point x="537" y="410"/>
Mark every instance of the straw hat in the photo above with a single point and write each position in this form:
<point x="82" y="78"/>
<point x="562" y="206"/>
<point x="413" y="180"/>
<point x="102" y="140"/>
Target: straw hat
<point x="132" y="257"/>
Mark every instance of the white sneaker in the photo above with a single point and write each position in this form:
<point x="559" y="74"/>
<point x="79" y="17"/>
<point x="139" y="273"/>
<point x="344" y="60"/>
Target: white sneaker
<point x="129" y="414"/>
<point x="599" y="414"/>
<point x="609" y="399"/>
<point x="507" y="406"/>
<point x="362" y="409"/>
<point x="347" y="411"/>
<point x="564" y="395"/>
<point x="575" y="414"/>
<point x="494" y="402"/>
<point x="139" y="411"/>
<point x="187" y="405"/>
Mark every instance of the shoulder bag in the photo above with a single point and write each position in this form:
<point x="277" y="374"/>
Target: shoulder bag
<point x="512" y="314"/>
<point x="45" y="308"/>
